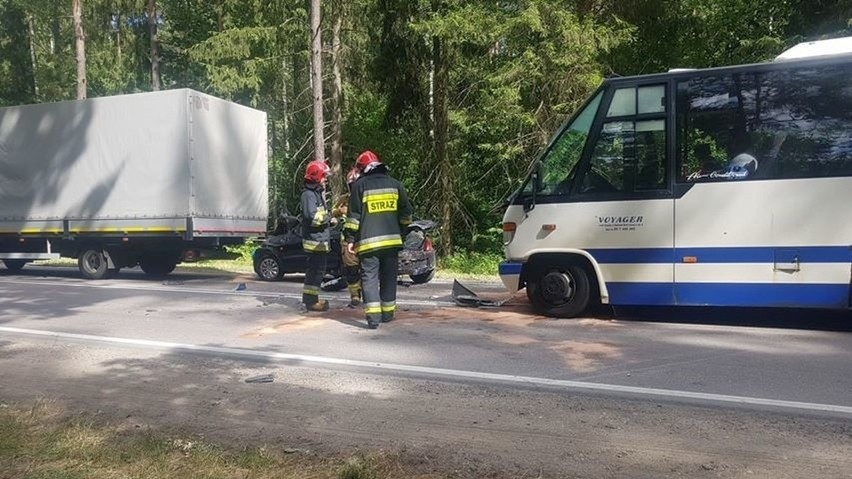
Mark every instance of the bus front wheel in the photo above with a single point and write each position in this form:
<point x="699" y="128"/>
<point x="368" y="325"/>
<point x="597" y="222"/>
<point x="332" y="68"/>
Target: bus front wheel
<point x="561" y="291"/>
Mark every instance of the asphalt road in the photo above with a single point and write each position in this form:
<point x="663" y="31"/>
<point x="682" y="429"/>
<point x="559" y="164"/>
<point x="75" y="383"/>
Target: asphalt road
<point x="716" y="364"/>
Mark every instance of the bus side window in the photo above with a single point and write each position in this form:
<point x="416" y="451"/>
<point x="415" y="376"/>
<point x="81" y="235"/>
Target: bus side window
<point x="630" y="152"/>
<point x="629" y="157"/>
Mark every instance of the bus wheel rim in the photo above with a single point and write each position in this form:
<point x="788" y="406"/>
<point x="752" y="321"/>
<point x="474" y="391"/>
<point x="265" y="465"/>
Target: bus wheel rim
<point x="557" y="287"/>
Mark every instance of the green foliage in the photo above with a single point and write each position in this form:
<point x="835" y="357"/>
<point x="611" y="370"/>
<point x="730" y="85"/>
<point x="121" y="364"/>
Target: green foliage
<point x="471" y="262"/>
<point x="243" y="251"/>
<point x="515" y="71"/>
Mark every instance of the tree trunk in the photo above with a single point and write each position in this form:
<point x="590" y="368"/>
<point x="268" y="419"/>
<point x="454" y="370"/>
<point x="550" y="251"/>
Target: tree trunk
<point x="118" y="36"/>
<point x="316" y="80"/>
<point x="54" y="27"/>
<point x="441" y="159"/>
<point x="220" y="16"/>
<point x="285" y="106"/>
<point x="80" y="47"/>
<point x="155" y="54"/>
<point x="337" y="186"/>
<point x="31" y="31"/>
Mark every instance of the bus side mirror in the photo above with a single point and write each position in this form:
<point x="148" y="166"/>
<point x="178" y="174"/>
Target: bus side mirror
<point x="529" y="201"/>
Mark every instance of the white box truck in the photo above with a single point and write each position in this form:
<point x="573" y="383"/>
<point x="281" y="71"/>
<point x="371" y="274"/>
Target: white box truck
<point x="147" y="179"/>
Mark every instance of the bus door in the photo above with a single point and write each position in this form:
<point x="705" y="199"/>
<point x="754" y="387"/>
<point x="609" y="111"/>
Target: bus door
<point x="623" y="199"/>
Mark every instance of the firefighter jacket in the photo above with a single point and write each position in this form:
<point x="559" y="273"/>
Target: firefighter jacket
<point x="379" y="213"/>
<point x="315" y="219"/>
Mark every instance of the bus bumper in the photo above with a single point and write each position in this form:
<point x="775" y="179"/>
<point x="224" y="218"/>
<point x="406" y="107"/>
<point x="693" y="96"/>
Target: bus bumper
<point x="510" y="274"/>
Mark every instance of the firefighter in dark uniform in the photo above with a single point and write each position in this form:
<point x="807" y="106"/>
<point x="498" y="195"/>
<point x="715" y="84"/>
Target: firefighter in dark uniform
<point x="316" y="223"/>
<point x="379" y="211"/>
<point x="350" y="264"/>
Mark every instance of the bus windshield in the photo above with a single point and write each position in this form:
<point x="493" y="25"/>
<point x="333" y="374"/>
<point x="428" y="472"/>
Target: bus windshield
<point x="559" y="162"/>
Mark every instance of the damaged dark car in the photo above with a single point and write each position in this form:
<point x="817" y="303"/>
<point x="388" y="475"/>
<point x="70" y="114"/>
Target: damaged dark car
<point x="281" y="253"/>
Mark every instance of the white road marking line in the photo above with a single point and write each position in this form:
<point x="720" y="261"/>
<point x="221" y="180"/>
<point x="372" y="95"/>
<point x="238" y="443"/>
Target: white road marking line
<point x="448" y="373"/>
<point x="244" y="293"/>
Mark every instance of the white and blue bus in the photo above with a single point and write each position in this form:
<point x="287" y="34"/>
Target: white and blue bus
<point x="726" y="187"/>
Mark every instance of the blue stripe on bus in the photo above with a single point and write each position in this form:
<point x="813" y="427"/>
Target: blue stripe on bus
<point x="509" y="268"/>
<point x="730" y="294"/>
<point x="737" y="254"/>
<point x="632" y="255"/>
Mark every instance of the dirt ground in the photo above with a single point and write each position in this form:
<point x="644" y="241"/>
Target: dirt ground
<point x="453" y="428"/>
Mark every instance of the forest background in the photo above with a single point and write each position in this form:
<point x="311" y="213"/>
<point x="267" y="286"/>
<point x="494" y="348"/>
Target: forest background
<point x="457" y="97"/>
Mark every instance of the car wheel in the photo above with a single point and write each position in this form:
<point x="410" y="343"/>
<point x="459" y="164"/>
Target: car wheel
<point x="157" y="264"/>
<point x="422" y="277"/>
<point x="268" y="268"/>
<point x="561" y="291"/>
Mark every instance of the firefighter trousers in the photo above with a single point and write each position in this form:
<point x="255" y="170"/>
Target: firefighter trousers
<point x="314" y="273"/>
<point x="378" y="280"/>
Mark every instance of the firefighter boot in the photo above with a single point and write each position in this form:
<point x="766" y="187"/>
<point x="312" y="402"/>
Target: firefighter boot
<point x="354" y="294"/>
<point x="319" y="306"/>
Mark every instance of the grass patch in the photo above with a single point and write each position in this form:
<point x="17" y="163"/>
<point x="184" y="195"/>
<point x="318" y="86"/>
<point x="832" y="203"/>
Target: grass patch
<point x="41" y="442"/>
<point x="238" y="265"/>
<point x="472" y="263"/>
<point x="462" y="264"/>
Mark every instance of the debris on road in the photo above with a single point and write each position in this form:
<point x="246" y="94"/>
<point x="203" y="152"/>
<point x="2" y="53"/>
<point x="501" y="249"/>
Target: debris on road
<point x="463" y="296"/>
<point x="241" y="287"/>
<point x="263" y="378"/>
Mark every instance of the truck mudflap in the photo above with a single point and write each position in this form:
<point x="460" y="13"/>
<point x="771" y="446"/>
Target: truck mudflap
<point x="463" y="296"/>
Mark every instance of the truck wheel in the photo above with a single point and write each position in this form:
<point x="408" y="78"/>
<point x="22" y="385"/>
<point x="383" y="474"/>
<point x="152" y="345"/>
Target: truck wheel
<point x="92" y="264"/>
<point x="560" y="291"/>
<point x="14" y="265"/>
<point x="268" y="268"/>
<point x="157" y="264"/>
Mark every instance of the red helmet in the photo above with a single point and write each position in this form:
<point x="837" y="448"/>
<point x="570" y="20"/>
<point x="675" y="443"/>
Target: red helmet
<point x="353" y="174"/>
<point x="367" y="161"/>
<point x="316" y="171"/>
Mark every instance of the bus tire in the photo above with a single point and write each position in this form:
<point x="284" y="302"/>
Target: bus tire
<point x="560" y="291"/>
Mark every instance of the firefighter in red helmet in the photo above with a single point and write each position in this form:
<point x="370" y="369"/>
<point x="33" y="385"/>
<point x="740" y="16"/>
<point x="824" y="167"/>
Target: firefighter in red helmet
<point x="316" y="223"/>
<point x="379" y="212"/>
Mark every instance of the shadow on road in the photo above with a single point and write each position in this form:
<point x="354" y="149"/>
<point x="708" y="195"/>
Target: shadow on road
<point x="786" y="318"/>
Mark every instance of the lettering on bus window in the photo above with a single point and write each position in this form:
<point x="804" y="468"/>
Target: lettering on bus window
<point x="762" y="125"/>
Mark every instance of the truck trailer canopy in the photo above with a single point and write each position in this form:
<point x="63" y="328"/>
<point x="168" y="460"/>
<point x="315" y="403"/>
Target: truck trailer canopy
<point x="168" y="160"/>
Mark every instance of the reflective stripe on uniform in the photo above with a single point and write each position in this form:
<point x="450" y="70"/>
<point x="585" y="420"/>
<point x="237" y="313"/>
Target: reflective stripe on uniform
<point x="310" y="291"/>
<point x="389" y="307"/>
<point x="352" y="224"/>
<point x="319" y="216"/>
<point x="378" y="242"/>
<point x="380" y="191"/>
<point x="312" y="246"/>
<point x="373" y="308"/>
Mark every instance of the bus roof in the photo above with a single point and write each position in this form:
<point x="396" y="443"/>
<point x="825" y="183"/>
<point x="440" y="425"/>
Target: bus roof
<point x="821" y="52"/>
<point x="821" y="48"/>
